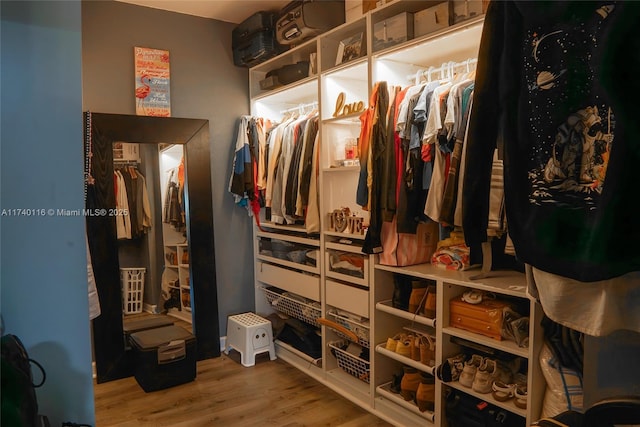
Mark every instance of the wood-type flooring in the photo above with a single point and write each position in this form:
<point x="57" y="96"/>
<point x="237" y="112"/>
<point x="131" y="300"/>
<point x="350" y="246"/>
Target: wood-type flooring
<point x="225" y="393"/>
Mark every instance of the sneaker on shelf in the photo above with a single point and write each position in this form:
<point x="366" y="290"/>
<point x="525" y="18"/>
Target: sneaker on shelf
<point x="469" y="371"/>
<point x="486" y="375"/>
<point x="451" y="368"/>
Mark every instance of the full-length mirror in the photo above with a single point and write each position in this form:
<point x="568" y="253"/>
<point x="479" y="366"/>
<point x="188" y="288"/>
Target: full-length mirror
<point x="182" y="236"/>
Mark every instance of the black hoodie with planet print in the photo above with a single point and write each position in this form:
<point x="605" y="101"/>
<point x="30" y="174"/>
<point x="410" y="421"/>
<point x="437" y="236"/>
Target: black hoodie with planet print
<point x="558" y="93"/>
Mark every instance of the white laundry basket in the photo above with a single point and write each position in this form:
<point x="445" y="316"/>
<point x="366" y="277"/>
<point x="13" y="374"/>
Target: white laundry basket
<point x="132" y="284"/>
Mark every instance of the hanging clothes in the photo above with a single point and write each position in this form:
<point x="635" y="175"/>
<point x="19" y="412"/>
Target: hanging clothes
<point x="133" y="209"/>
<point x="372" y="243"/>
<point x="241" y="183"/>
<point x="281" y="159"/>
<point x="557" y="90"/>
<point x="173" y="210"/>
<point x="123" y="221"/>
<point x="312" y="218"/>
<point x="364" y="148"/>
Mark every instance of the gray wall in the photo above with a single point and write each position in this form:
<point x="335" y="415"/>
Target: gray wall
<point x="43" y="259"/>
<point x="58" y="59"/>
<point x="205" y="85"/>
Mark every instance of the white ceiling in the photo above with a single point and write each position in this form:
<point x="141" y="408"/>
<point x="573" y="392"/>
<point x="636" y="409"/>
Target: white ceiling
<point x="234" y="11"/>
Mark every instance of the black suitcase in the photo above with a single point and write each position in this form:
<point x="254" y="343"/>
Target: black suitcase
<point x="258" y="22"/>
<point x="300" y="20"/>
<point x="254" y="40"/>
<point x="260" y="47"/>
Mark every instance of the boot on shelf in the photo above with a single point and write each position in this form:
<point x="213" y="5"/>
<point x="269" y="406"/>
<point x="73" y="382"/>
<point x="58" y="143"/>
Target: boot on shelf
<point x="430" y="303"/>
<point x="409" y="384"/>
<point x="416" y="299"/>
<point x="426" y="393"/>
<point x="401" y="292"/>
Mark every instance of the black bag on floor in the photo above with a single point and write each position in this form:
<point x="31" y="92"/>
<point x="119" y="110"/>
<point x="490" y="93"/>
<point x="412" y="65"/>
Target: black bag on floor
<point x="463" y="410"/>
<point x="19" y="403"/>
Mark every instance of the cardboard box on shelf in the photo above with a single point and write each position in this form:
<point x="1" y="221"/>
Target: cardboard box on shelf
<point x="467" y="9"/>
<point x="432" y="19"/>
<point x="394" y="30"/>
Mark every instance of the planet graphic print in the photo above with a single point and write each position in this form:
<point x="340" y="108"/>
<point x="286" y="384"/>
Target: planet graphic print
<point x="546" y="80"/>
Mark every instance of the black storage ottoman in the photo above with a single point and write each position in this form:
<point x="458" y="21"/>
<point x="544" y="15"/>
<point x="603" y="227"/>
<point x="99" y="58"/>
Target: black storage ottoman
<point x="164" y="357"/>
<point x="131" y="326"/>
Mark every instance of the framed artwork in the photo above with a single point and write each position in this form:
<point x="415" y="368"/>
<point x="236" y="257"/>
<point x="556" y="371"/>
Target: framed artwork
<point x="152" y="77"/>
<point x="349" y="48"/>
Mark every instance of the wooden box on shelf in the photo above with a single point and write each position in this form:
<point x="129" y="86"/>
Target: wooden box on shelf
<point x="484" y="318"/>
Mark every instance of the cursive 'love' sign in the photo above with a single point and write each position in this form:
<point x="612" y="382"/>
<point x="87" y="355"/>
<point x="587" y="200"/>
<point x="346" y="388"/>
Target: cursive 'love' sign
<point x="344" y="109"/>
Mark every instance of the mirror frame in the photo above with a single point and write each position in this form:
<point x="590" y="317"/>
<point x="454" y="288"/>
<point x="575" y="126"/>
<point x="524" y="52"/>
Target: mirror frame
<point x="112" y="359"/>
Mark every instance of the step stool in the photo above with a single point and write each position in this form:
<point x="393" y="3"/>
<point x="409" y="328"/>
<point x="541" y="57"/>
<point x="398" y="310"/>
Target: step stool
<point x="250" y="334"/>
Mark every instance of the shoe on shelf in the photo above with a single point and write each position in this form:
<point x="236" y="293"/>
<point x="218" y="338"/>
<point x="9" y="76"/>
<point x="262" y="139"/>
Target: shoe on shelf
<point x="415" y="348"/>
<point x="430" y="303"/>
<point x="520" y="394"/>
<point x="410" y="382"/>
<point x="392" y="343"/>
<point x="404" y="345"/>
<point x="472" y="296"/>
<point x="485" y="376"/>
<point x="427" y="350"/>
<point x="451" y="368"/>
<point x="396" y="379"/>
<point x="426" y="393"/>
<point x="401" y="292"/>
<point x="470" y="369"/>
<point x="501" y="391"/>
<point x="417" y="297"/>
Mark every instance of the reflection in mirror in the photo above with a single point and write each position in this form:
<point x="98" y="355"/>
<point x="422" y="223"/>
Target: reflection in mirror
<point x="176" y="290"/>
<point x="193" y="238"/>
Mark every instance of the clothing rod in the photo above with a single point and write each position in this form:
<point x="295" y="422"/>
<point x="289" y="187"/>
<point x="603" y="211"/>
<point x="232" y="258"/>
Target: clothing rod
<point x="313" y="104"/>
<point x="443" y="67"/>
<point x="126" y="162"/>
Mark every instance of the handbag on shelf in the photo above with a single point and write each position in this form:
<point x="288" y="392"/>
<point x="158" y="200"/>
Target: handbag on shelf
<point x="402" y="249"/>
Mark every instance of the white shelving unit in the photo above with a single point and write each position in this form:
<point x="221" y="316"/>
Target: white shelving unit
<point x="360" y="299"/>
<point x="176" y="250"/>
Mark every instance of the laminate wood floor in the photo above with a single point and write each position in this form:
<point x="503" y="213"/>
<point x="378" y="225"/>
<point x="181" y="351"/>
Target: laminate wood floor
<point x="225" y="393"/>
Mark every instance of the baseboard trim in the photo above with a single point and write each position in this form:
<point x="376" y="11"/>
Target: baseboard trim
<point x="150" y="308"/>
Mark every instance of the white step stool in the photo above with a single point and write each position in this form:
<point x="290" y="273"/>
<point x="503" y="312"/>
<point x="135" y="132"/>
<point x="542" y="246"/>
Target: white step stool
<point x="250" y="334"/>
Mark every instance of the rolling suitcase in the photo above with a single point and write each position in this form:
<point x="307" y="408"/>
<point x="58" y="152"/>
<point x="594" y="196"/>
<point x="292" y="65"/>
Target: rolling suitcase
<point x="300" y="20"/>
<point x="253" y="41"/>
